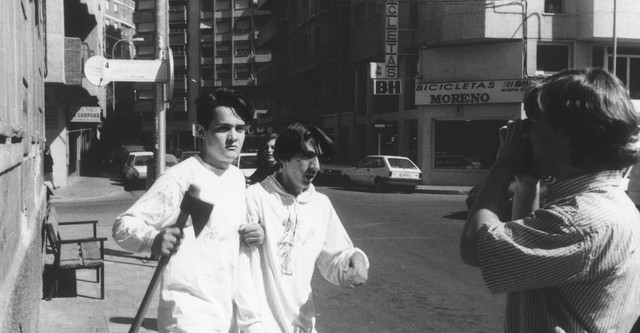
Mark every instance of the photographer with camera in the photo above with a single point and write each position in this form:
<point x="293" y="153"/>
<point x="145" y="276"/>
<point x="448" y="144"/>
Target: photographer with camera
<point x="572" y="265"/>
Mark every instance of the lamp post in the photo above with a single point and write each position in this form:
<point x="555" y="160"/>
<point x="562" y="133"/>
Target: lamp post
<point x="113" y="50"/>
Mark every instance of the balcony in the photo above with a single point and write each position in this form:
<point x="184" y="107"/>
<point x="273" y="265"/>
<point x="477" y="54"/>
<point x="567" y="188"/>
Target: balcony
<point x="178" y="38"/>
<point x="178" y="16"/>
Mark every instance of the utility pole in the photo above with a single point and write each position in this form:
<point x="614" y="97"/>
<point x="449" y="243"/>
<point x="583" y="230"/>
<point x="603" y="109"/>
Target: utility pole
<point x="161" y="107"/>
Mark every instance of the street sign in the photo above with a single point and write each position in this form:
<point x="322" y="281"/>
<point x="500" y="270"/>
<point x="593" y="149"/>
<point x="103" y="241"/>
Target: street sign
<point x="387" y="87"/>
<point x="100" y="71"/>
<point x="377" y="70"/>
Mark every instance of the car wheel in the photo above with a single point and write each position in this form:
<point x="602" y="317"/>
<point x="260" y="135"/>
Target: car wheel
<point x="347" y="182"/>
<point x="378" y="185"/>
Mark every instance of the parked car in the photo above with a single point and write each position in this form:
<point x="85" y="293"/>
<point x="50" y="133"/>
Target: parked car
<point x="135" y="168"/>
<point x="123" y="155"/>
<point x="382" y="171"/>
<point x="186" y="154"/>
<point x="169" y="161"/>
<point x="246" y="162"/>
<point x="453" y="161"/>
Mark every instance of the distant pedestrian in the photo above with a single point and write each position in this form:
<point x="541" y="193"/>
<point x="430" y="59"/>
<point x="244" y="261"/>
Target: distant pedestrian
<point x="48" y="167"/>
<point x="266" y="163"/>
<point x="574" y="264"/>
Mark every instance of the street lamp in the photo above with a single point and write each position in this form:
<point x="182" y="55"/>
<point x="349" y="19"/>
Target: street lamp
<point x="113" y="49"/>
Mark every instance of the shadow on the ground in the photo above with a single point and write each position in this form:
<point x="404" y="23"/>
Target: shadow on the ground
<point x="148" y="323"/>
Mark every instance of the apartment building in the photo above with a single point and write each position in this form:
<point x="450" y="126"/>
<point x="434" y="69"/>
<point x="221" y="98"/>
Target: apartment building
<point x="213" y="44"/>
<point x="309" y="78"/>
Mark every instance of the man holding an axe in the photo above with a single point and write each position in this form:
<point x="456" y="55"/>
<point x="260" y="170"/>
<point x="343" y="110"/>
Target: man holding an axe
<point x="200" y="280"/>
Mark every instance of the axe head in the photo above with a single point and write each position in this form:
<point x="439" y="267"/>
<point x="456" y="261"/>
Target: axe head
<point x="198" y="210"/>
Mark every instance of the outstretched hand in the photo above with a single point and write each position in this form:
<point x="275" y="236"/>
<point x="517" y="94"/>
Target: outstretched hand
<point x="357" y="273"/>
<point x="252" y="233"/>
<point x="167" y="242"/>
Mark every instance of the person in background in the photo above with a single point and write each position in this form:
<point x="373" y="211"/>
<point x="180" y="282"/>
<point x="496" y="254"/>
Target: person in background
<point x="48" y="167"/>
<point x="266" y="163"/>
<point x="302" y="232"/>
<point x="572" y="265"/>
<point x="200" y="282"/>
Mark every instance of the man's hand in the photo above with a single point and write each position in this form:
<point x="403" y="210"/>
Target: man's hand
<point x="167" y="242"/>
<point x="252" y="233"/>
<point x="357" y="273"/>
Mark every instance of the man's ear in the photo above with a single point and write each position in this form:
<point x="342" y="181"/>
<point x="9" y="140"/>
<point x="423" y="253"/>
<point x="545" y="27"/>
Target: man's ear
<point x="200" y="131"/>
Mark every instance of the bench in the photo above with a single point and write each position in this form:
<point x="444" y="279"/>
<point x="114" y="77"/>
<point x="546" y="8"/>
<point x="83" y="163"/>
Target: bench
<point x="73" y="254"/>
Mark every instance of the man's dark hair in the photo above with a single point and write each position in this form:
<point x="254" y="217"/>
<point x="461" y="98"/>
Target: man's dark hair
<point x="206" y="103"/>
<point x="593" y="109"/>
<point x="291" y="142"/>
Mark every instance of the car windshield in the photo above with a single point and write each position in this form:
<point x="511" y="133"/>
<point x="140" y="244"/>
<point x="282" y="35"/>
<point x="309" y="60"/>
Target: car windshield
<point x="401" y="163"/>
<point x="142" y="160"/>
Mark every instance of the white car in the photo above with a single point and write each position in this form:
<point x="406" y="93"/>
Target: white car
<point x="381" y="171"/>
<point x="246" y="162"/>
<point x="135" y="168"/>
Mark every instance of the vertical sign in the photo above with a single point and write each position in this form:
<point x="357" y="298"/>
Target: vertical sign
<point x="391" y="39"/>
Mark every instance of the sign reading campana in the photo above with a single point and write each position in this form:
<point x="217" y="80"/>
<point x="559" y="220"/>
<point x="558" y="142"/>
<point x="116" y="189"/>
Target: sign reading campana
<point x="86" y="114"/>
<point x="473" y="92"/>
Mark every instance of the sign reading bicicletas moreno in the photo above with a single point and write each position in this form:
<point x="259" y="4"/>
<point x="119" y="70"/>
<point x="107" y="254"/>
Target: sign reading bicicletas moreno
<point x="472" y="92"/>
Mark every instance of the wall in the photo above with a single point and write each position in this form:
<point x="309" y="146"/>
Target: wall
<point x="22" y="191"/>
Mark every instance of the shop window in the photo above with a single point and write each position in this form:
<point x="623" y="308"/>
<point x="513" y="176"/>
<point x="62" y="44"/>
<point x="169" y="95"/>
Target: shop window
<point x="466" y="144"/>
<point x="553" y="6"/>
<point x="551" y="58"/>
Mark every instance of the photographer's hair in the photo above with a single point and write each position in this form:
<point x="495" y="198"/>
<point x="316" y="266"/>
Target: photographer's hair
<point x="593" y="109"/>
<point x="291" y="142"/>
<point x="206" y="104"/>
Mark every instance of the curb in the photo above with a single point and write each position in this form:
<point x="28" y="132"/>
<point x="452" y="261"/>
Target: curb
<point x="443" y="191"/>
<point x="107" y="196"/>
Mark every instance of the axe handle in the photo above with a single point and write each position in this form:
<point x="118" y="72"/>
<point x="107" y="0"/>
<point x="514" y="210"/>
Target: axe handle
<point x="153" y="284"/>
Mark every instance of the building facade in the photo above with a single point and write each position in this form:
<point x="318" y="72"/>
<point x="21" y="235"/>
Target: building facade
<point x="74" y="107"/>
<point x="23" y="195"/>
<point x="309" y="78"/>
<point x="214" y="45"/>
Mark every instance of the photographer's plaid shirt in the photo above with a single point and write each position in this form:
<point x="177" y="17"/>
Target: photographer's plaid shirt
<point x="572" y="266"/>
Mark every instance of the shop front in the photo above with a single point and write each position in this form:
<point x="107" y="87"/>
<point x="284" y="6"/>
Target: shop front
<point x="460" y="127"/>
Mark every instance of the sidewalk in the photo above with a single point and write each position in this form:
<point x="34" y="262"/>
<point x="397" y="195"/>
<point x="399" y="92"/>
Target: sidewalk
<point x="127" y="275"/>
<point x="77" y="308"/>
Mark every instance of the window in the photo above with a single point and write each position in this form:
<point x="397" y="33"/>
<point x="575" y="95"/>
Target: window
<point x="207" y="50"/>
<point x="243" y="72"/>
<point x="465" y="144"/>
<point x="223" y="49"/>
<point x="115" y="25"/>
<point x="305" y="45"/>
<point x="223" y="27"/>
<point x="552" y="58"/>
<point x="106" y="5"/>
<point x="222" y="4"/>
<point x="553" y="6"/>
<point x="293" y="50"/>
<point x="317" y="41"/>
<point x="241" y="4"/>
<point x="242" y="26"/>
<point x="628" y="71"/>
<point x="243" y="48"/>
<point x="115" y="7"/>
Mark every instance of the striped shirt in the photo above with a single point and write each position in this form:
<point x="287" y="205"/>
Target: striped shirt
<point x="571" y="266"/>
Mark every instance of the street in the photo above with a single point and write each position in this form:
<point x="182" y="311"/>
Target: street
<point x="417" y="282"/>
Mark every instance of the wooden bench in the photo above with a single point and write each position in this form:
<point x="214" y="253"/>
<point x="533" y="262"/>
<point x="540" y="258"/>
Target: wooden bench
<point x="74" y="254"/>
